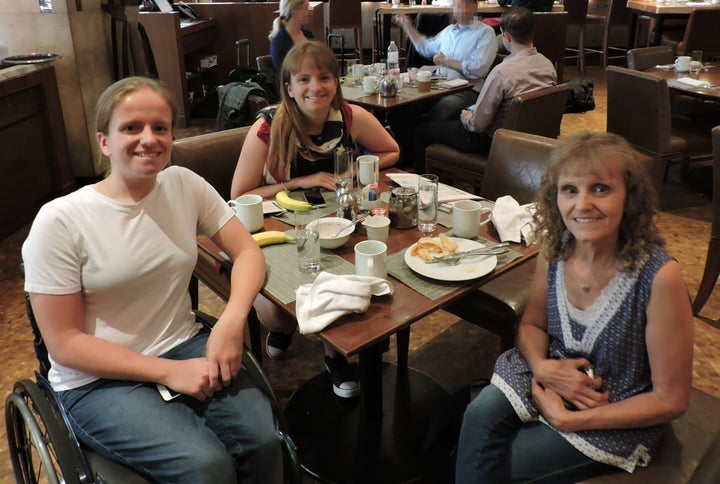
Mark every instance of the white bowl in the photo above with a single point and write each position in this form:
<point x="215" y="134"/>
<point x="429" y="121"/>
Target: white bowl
<point x="328" y="226"/>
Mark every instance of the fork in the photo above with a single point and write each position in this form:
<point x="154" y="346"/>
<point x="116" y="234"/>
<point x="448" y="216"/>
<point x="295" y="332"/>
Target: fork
<point x="454" y="259"/>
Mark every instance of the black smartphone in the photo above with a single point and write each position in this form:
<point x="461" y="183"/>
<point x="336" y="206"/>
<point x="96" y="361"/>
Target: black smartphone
<point x="315" y="198"/>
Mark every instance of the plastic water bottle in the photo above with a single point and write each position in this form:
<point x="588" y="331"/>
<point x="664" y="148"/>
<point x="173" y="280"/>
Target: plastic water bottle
<point x="393" y="57"/>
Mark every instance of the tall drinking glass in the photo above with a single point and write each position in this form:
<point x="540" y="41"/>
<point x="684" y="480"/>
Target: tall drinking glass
<point x="307" y="241"/>
<point x="344" y="174"/>
<point x="427" y="202"/>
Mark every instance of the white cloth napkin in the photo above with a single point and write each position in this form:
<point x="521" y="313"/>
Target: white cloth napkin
<point x="454" y="83"/>
<point x="689" y="81"/>
<point x="331" y="296"/>
<point x="513" y="221"/>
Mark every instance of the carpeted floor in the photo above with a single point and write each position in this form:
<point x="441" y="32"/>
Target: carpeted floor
<point x="451" y="351"/>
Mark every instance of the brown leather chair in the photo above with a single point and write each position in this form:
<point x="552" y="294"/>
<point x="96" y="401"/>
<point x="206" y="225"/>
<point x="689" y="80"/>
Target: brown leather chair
<point x="264" y="62"/>
<point x="549" y="38"/>
<point x="688" y="453"/>
<point x="638" y="108"/>
<point x="214" y="156"/>
<point x="712" y="262"/>
<point x="515" y="167"/>
<point x="701" y="33"/>
<point x="610" y="15"/>
<point x="644" y="58"/>
<point x="577" y="13"/>
<point x="537" y="112"/>
<point x="346" y="14"/>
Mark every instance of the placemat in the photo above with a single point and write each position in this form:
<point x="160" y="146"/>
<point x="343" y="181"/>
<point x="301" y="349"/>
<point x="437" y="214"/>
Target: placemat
<point x="283" y="277"/>
<point x="330" y="209"/>
<point x="432" y="288"/>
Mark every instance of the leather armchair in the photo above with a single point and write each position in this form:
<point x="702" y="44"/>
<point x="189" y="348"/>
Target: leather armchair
<point x="537" y="112"/>
<point x="515" y="166"/>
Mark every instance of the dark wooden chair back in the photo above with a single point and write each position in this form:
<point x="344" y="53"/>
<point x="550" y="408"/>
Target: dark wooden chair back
<point x="549" y="38"/>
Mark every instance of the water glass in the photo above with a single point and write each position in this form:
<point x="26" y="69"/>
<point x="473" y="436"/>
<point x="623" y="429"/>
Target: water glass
<point x="427" y="202"/>
<point x="696" y="62"/>
<point x="307" y="241"/>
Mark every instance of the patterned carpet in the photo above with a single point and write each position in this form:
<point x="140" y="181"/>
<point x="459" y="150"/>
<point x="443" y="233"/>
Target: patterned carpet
<point x="450" y="350"/>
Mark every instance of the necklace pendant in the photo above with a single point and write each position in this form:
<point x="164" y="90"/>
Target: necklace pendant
<point x="586" y="289"/>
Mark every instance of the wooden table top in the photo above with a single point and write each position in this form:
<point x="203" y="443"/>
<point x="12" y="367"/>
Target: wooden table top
<point x="388" y="314"/>
<point x="709" y="74"/>
<point x="669" y="8"/>
<point x="408" y="95"/>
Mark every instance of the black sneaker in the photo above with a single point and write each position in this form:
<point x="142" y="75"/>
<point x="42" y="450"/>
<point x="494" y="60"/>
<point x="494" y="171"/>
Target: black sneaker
<point x="344" y="381"/>
<point x="277" y="343"/>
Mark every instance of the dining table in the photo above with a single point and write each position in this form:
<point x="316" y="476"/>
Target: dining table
<point x="660" y="11"/>
<point x="408" y="94"/>
<point x="677" y="81"/>
<point x="377" y="437"/>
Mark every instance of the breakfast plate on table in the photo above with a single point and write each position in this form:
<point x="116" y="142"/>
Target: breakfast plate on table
<point x="468" y="269"/>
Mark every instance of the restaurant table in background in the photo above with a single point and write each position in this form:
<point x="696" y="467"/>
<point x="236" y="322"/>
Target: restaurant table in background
<point x="384" y="13"/>
<point x="378" y="436"/>
<point x="407" y="95"/>
<point x="710" y="74"/>
<point x="661" y="11"/>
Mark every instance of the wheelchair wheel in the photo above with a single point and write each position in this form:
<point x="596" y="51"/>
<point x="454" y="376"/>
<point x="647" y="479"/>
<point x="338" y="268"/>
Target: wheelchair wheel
<point x="41" y="447"/>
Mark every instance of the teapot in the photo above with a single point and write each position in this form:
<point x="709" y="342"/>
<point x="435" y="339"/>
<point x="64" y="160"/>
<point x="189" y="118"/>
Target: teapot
<point x="388" y="86"/>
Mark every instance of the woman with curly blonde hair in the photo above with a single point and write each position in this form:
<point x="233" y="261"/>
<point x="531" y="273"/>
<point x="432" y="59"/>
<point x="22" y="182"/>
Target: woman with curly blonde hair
<point x="604" y="349"/>
<point x="290" y="147"/>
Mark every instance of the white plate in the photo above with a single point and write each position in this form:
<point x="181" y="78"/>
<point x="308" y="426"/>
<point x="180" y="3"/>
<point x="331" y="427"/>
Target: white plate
<point x="34" y="58"/>
<point x="470" y="268"/>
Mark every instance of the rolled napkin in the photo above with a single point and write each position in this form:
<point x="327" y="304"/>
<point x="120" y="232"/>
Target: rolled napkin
<point x="513" y="221"/>
<point x="331" y="296"/>
<point x="689" y="81"/>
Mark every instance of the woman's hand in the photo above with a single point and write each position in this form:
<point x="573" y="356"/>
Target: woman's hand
<point x="568" y="379"/>
<point x="552" y="407"/>
<point x="190" y="377"/>
<point x="224" y="353"/>
<point x="321" y="179"/>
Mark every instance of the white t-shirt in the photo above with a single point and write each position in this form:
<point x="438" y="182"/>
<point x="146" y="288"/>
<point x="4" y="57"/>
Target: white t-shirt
<point x="132" y="262"/>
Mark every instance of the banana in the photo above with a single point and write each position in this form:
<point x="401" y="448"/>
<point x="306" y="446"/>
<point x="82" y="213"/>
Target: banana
<point x="271" y="237"/>
<point x="285" y="201"/>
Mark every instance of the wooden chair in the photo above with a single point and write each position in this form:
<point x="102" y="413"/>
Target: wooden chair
<point x="549" y="38"/>
<point x="712" y="262"/>
<point x="577" y="13"/>
<point x="537" y="112"/>
<point x="701" y="33"/>
<point x="638" y="108"/>
<point x="345" y="14"/>
<point x="515" y="167"/>
<point x="613" y="14"/>
<point x="264" y="62"/>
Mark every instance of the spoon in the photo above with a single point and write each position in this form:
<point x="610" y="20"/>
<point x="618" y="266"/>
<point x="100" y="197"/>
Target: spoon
<point x="355" y="222"/>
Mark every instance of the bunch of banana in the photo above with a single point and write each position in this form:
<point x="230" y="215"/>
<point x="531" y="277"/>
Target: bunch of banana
<point x="272" y="237"/>
<point x="284" y="200"/>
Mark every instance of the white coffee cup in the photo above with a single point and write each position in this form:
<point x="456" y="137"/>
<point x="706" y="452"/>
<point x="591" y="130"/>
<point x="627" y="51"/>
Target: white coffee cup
<point x="370" y="84"/>
<point x="371" y="258"/>
<point x="378" y="68"/>
<point x="466" y="218"/>
<point x="377" y="227"/>
<point x="357" y="71"/>
<point x="423" y="81"/>
<point x="682" y="63"/>
<point x="248" y="209"/>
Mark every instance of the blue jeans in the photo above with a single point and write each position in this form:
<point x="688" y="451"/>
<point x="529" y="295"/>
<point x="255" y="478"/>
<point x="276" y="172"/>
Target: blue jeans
<point x="228" y="438"/>
<point x="495" y="446"/>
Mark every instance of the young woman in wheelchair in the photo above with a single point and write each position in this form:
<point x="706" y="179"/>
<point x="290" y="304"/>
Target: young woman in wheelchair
<point x="107" y="269"/>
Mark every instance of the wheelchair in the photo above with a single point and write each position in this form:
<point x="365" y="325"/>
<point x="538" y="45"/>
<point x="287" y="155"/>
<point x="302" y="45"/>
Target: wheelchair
<point x="43" y="447"/>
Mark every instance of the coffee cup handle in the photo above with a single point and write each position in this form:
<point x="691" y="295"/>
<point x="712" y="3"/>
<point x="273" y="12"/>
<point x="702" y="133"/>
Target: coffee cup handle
<point x="232" y="203"/>
<point x="482" y="211"/>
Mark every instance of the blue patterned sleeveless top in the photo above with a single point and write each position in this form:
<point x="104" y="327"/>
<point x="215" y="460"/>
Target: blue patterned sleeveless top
<point x="613" y="340"/>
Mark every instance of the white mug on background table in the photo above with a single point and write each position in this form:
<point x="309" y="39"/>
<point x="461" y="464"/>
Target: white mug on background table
<point x="371" y="258"/>
<point x="370" y="84"/>
<point x="248" y="209"/>
<point x="682" y="63"/>
<point x="377" y="227"/>
<point x="466" y="218"/>
<point x="424" y="78"/>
